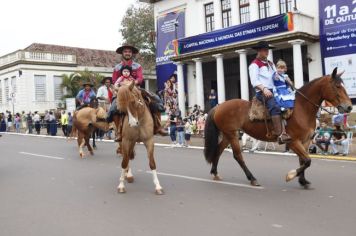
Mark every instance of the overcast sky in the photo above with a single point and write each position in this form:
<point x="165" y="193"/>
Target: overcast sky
<point x="78" y="23"/>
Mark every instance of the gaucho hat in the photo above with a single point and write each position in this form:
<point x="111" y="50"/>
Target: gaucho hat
<point x="106" y="78"/>
<point x="262" y="45"/>
<point x="119" y="50"/>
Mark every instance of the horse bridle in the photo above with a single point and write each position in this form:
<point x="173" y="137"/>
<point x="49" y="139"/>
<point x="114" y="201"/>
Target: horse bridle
<point x="316" y="105"/>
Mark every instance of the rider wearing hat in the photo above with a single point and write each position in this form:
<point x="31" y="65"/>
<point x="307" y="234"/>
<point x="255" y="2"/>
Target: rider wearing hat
<point x="85" y="95"/>
<point x="105" y="93"/>
<point x="127" y="51"/>
<point x="136" y="72"/>
<point x="261" y="72"/>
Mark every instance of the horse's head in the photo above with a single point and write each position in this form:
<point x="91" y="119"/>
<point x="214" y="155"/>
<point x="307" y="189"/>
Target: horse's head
<point x="130" y="101"/>
<point x="334" y="92"/>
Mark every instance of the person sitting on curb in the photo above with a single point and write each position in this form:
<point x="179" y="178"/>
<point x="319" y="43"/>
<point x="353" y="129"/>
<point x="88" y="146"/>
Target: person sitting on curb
<point x="338" y="137"/>
<point x="323" y="137"/>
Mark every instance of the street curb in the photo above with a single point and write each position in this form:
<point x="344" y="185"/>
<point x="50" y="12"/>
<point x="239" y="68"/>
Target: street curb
<point x="327" y="157"/>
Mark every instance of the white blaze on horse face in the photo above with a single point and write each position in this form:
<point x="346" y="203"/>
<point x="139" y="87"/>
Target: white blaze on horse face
<point x="132" y="120"/>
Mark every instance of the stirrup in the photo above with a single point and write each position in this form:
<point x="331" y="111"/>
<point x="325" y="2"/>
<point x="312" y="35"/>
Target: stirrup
<point x="284" y="138"/>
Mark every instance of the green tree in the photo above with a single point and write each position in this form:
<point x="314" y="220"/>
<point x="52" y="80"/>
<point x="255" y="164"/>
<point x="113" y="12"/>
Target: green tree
<point x="137" y="28"/>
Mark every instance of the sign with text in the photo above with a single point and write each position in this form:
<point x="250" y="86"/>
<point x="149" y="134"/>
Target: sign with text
<point x="169" y="27"/>
<point x="259" y="28"/>
<point x="338" y="39"/>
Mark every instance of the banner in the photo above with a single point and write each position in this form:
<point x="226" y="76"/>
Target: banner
<point x="169" y="27"/>
<point x="259" y="28"/>
<point x="338" y="39"/>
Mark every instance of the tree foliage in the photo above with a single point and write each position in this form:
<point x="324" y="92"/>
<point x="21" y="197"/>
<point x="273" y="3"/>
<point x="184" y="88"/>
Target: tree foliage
<point x="137" y="28"/>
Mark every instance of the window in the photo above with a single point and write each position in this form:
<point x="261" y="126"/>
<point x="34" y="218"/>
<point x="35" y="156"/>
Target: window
<point x="209" y="17"/>
<point x="263" y="6"/>
<point x="40" y="88"/>
<point x="285" y="6"/>
<point x="226" y="13"/>
<point x="13" y="84"/>
<point x="1" y="101"/>
<point x="244" y="11"/>
<point x="7" y="90"/>
<point x="58" y="90"/>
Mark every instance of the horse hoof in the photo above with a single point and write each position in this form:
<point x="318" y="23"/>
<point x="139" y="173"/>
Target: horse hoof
<point x="95" y="148"/>
<point x="159" y="192"/>
<point x="92" y="153"/>
<point x="304" y="183"/>
<point x="121" y="190"/>
<point x="130" y="179"/>
<point x="255" y="183"/>
<point x="81" y="155"/>
<point x="291" y="175"/>
<point x="217" y="178"/>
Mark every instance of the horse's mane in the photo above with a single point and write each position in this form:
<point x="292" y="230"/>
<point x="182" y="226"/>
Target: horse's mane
<point x="123" y="97"/>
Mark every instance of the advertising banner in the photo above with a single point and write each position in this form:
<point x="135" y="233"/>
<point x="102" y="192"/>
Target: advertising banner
<point x="233" y="34"/>
<point x="169" y="27"/>
<point x="338" y="39"/>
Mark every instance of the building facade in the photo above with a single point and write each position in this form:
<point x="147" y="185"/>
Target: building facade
<point x="224" y="66"/>
<point x="30" y="79"/>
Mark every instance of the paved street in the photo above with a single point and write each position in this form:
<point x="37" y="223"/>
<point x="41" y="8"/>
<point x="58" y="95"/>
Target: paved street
<point x="46" y="189"/>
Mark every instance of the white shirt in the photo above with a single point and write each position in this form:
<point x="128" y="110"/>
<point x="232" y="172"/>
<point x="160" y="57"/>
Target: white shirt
<point x="261" y="73"/>
<point x="103" y="92"/>
<point x="36" y="118"/>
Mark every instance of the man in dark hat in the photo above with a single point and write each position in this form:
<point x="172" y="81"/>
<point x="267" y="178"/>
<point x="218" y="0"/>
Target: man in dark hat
<point x="85" y="95"/>
<point x="261" y="72"/>
<point x="105" y="93"/>
<point x="127" y="52"/>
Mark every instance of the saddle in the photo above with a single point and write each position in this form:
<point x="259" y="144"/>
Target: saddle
<point x="259" y="112"/>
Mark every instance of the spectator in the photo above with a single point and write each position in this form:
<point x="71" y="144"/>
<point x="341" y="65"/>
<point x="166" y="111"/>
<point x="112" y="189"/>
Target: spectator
<point x="36" y="120"/>
<point x="323" y="137"/>
<point x="173" y="126"/>
<point x="201" y="124"/>
<point x="53" y="124"/>
<point x="46" y="120"/>
<point x="29" y="123"/>
<point x="188" y="130"/>
<point x="9" y="121"/>
<point x="17" y="122"/>
<point x="180" y="131"/>
<point x="70" y="124"/>
<point x="64" y="122"/>
<point x="23" y="120"/>
<point x="339" y="138"/>
<point x="2" y="123"/>
<point x="213" y="98"/>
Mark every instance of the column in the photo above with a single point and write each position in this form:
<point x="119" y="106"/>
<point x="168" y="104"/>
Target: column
<point x="220" y="77"/>
<point x="270" y="55"/>
<point x="199" y="82"/>
<point x="254" y="14"/>
<point x="297" y="62"/>
<point x="181" y="93"/>
<point x="147" y="84"/>
<point x="217" y="14"/>
<point x="243" y="74"/>
<point x="235" y="14"/>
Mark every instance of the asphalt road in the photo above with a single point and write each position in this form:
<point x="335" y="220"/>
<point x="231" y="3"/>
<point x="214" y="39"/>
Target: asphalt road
<point x="46" y="189"/>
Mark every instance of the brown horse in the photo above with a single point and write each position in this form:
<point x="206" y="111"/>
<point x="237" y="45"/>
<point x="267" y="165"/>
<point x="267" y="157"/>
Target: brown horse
<point x="137" y="127"/>
<point x="231" y="116"/>
<point x="85" y="121"/>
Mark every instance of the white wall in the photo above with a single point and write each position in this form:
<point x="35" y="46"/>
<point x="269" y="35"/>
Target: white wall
<point x="315" y="66"/>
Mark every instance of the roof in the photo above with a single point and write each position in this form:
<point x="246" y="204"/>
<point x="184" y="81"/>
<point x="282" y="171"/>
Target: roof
<point x="85" y="56"/>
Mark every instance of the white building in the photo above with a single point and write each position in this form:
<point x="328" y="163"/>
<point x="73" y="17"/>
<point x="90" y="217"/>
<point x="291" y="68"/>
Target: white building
<point x="225" y="67"/>
<point x="30" y="78"/>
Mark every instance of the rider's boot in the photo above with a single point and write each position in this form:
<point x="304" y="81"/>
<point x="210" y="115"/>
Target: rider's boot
<point x="279" y="130"/>
<point x="158" y="129"/>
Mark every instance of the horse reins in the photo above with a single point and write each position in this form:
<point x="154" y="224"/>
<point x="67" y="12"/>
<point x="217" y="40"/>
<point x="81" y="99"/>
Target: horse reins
<point x="306" y="98"/>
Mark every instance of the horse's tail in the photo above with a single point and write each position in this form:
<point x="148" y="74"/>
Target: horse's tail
<point x="211" y="141"/>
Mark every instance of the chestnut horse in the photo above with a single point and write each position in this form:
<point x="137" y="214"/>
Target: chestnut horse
<point x="137" y="127"/>
<point x="85" y="122"/>
<point x="231" y="116"/>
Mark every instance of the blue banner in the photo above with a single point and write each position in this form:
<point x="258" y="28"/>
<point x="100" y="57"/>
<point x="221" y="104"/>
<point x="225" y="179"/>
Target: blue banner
<point x="259" y="28"/>
<point x="338" y="39"/>
<point x="169" y="27"/>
